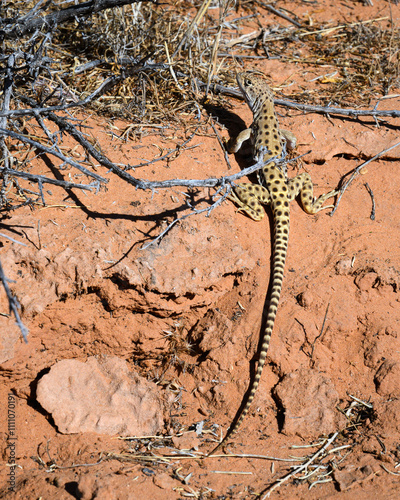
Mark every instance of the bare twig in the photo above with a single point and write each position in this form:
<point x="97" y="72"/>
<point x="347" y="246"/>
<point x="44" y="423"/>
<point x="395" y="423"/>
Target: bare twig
<point x="212" y="182"/>
<point x="372" y="216"/>
<point x="12" y="239"/>
<point x="354" y="113"/>
<point x="47" y="180"/>
<point x="13" y="304"/>
<point x="53" y="152"/>
<point x="279" y="13"/>
<point x="356" y="172"/>
<point x="28" y="23"/>
<point x="7" y="92"/>
<point x="312" y="459"/>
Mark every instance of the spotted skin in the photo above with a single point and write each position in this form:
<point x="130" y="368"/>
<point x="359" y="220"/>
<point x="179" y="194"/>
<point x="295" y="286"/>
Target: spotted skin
<point x="268" y="144"/>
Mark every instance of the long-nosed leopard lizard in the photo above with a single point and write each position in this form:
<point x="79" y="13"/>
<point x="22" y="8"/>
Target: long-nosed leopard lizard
<point x="269" y="144"/>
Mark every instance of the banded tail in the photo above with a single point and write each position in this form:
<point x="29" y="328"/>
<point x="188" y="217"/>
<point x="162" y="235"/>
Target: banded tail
<point x="281" y="234"/>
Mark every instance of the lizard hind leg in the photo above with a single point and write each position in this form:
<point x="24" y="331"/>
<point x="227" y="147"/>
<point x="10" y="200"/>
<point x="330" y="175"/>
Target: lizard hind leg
<point x="302" y="184"/>
<point x="249" y="198"/>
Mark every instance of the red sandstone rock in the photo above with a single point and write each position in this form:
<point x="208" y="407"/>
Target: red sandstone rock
<point x="102" y="396"/>
<point x="309" y="403"/>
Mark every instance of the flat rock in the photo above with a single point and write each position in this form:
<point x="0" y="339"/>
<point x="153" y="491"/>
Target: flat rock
<point x="309" y="403"/>
<point x="387" y="379"/>
<point x="100" y="395"/>
<point x="355" y="473"/>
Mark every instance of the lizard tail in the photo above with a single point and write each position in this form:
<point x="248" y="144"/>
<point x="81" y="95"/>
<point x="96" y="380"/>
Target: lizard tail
<point x="278" y="265"/>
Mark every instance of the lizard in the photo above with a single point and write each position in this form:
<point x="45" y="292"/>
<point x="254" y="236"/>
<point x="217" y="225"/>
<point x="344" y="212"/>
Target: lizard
<point x="269" y="143"/>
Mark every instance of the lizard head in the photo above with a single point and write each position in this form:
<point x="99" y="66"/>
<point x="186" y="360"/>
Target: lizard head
<point x="255" y="90"/>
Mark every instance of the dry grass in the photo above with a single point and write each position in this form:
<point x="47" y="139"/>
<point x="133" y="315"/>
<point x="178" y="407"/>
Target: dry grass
<point x="362" y="57"/>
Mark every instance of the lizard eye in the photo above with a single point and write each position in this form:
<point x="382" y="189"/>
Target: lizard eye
<point x="247" y="82"/>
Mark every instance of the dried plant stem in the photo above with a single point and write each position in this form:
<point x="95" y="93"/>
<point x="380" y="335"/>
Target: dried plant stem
<point x="13" y="304"/>
<point x="328" y="110"/>
<point x="200" y="13"/>
<point x="312" y="459"/>
<point x="356" y="172"/>
<point x="279" y="13"/>
<point x="46" y="180"/>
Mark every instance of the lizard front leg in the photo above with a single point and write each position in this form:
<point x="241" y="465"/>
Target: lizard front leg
<point x="235" y="144"/>
<point x="289" y="138"/>
<point x="249" y="197"/>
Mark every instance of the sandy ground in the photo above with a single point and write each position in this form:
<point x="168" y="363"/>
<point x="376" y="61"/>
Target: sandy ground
<point x="185" y="313"/>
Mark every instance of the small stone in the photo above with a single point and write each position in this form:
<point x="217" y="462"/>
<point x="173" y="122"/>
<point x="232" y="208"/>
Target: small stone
<point x="353" y="474"/>
<point x="387" y="379"/>
<point x="343" y="267"/>
<point x="188" y="441"/>
<point x="305" y="299"/>
<point x="366" y="281"/>
<point x="164" y="481"/>
<point x="86" y="487"/>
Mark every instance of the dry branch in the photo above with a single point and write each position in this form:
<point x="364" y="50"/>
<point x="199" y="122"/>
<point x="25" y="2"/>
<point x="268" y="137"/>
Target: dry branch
<point x="13" y="304"/>
<point x="279" y="13"/>
<point x="28" y="24"/>
<point x="354" y="113"/>
<point x="41" y="179"/>
<point x="356" y="172"/>
<point x="54" y="152"/>
<point x="327" y="110"/>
